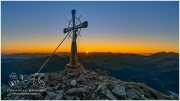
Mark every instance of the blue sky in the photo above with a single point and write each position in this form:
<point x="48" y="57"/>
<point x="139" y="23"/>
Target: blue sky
<point x="110" y="23"/>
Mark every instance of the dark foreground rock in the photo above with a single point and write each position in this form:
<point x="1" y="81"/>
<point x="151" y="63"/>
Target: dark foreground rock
<point x="76" y="85"/>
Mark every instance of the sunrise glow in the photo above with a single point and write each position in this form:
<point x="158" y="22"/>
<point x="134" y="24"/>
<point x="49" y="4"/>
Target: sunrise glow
<point x="112" y="27"/>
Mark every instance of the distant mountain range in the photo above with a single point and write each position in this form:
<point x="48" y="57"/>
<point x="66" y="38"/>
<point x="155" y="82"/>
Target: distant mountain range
<point x="159" y="70"/>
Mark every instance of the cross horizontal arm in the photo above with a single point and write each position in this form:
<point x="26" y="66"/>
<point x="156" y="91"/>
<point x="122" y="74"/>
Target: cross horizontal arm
<point x="67" y="29"/>
<point x="81" y="25"/>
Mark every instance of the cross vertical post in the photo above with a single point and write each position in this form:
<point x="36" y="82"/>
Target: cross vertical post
<point x="74" y="58"/>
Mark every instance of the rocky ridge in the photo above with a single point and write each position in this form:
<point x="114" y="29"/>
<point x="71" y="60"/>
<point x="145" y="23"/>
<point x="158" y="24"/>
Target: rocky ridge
<point x="76" y="85"/>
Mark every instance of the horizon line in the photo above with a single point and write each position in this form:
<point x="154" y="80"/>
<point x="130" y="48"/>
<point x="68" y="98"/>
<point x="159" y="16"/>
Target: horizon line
<point x="85" y="52"/>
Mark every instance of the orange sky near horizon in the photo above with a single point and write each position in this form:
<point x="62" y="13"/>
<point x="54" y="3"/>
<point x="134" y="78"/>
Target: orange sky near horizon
<point x="116" y="45"/>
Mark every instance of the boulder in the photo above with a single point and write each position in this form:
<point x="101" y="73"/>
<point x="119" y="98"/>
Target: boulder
<point x="50" y="95"/>
<point x="73" y="82"/>
<point x="81" y="79"/>
<point x="69" y="97"/>
<point x="142" y="97"/>
<point x="59" y="91"/>
<point x="58" y="97"/>
<point x="120" y="91"/>
<point x="100" y="86"/>
<point x="56" y="86"/>
<point x="104" y="90"/>
<point x="131" y="93"/>
<point x="49" y="89"/>
<point x="76" y="90"/>
<point x="100" y="78"/>
<point x="10" y="94"/>
<point x="93" y="73"/>
<point x="110" y="95"/>
<point x="77" y="98"/>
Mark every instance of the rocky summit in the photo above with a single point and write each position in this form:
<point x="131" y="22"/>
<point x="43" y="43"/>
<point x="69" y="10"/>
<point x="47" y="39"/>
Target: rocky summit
<point x="76" y="85"/>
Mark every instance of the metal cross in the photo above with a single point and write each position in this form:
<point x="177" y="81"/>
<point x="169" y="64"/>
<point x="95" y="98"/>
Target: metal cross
<point x="74" y="28"/>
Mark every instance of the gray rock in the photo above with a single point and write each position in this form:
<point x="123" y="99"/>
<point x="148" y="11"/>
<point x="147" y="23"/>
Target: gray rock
<point x="50" y="95"/>
<point x="69" y="97"/>
<point x="10" y="94"/>
<point x="59" y="97"/>
<point x="81" y="79"/>
<point x="64" y="78"/>
<point x="21" y="99"/>
<point x="59" y="91"/>
<point x="93" y="73"/>
<point x="131" y="93"/>
<point x="120" y="91"/>
<point x="57" y="86"/>
<point x="100" y="77"/>
<point x="72" y="74"/>
<point x="93" y="95"/>
<point x="76" y="90"/>
<point x="104" y="90"/>
<point x="110" y="95"/>
<point x="142" y="97"/>
<point x="100" y="86"/>
<point x="73" y="82"/>
<point x="128" y="99"/>
<point x="89" y="87"/>
<point x="16" y="98"/>
<point x="49" y="89"/>
<point x="77" y="98"/>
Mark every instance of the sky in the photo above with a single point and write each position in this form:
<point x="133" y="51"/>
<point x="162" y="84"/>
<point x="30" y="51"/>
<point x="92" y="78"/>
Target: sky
<point x="123" y="27"/>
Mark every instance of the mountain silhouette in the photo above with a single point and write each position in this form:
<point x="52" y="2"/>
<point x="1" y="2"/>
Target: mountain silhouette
<point x="159" y="71"/>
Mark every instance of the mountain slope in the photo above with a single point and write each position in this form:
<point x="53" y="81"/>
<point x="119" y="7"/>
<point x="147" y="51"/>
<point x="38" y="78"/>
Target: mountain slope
<point x="75" y="85"/>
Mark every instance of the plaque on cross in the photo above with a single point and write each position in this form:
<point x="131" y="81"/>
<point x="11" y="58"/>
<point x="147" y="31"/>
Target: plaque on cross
<point x="74" y="28"/>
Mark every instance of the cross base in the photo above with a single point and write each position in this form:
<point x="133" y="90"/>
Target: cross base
<point x="75" y="68"/>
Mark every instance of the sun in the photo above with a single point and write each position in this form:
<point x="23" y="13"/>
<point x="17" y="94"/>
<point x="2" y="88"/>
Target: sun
<point x="87" y="52"/>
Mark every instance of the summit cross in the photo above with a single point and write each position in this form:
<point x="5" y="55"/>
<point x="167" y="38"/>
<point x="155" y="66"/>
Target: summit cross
<point x="73" y="57"/>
